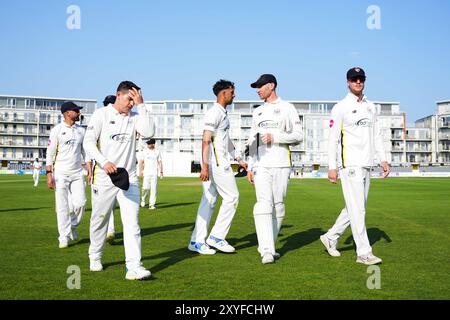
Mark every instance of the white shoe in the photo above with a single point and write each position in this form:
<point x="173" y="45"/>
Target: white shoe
<point x="219" y="244"/>
<point x="110" y="238"/>
<point x="276" y="255"/>
<point x="63" y="244"/>
<point x="201" y="248"/>
<point x="142" y="204"/>
<point x="139" y="273"/>
<point x="369" y="259"/>
<point x="95" y="265"/>
<point x="267" y="258"/>
<point x="152" y="208"/>
<point x="74" y="234"/>
<point x="330" y="246"/>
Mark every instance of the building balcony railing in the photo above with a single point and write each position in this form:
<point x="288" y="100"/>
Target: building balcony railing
<point x="445" y="136"/>
<point x="397" y="149"/>
<point x="418" y="138"/>
<point x="444" y="148"/>
<point x="419" y="150"/>
<point x="397" y="137"/>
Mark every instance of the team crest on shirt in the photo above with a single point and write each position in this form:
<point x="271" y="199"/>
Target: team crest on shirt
<point x="331" y="123"/>
<point x="351" y="173"/>
<point x="276" y="111"/>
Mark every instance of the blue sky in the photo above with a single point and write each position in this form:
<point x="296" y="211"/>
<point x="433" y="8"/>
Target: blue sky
<point x="178" y="49"/>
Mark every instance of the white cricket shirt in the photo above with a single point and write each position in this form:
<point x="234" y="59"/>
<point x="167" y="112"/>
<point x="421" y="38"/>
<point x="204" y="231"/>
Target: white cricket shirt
<point x="64" y="149"/>
<point x="221" y="147"/>
<point x="280" y="118"/>
<point x="151" y="159"/>
<point x="355" y="137"/>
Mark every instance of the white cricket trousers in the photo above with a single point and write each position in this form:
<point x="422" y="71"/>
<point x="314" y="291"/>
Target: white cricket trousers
<point x="271" y="187"/>
<point x="221" y="182"/>
<point x="103" y="202"/>
<point x="70" y="195"/>
<point x="355" y="187"/>
<point x="36" y="177"/>
<point x="149" y="183"/>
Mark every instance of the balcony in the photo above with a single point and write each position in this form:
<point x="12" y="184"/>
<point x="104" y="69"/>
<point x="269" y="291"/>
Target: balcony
<point x="418" y="150"/>
<point x="411" y="138"/>
<point x="444" y="136"/>
<point x="398" y="149"/>
<point x="397" y="137"/>
<point x="444" y="148"/>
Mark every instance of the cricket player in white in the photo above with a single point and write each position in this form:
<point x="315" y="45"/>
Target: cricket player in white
<point x="37" y="166"/>
<point x="217" y="176"/>
<point x="355" y="139"/>
<point x="65" y="172"/>
<point x="150" y="161"/>
<point x="275" y="126"/>
<point x="111" y="140"/>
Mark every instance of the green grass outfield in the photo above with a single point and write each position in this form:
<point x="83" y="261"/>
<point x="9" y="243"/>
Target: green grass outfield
<point x="408" y="224"/>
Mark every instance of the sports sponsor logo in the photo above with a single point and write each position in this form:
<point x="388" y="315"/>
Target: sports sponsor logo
<point x="331" y="123"/>
<point x="90" y="128"/>
<point x="364" y="122"/>
<point x="268" y="124"/>
<point x="70" y="142"/>
<point x="209" y="124"/>
<point x="121" y="137"/>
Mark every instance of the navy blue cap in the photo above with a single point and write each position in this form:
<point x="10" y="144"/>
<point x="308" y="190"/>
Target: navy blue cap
<point x="69" y="105"/>
<point x="264" y="79"/>
<point x="120" y="179"/>
<point x="151" y="141"/>
<point x="356" y="72"/>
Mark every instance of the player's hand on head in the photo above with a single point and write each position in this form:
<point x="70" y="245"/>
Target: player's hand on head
<point x="136" y="95"/>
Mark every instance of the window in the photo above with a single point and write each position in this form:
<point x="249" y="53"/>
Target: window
<point x="11" y="102"/>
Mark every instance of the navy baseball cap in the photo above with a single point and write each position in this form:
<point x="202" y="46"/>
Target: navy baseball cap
<point x="120" y="179"/>
<point x="264" y="79"/>
<point x="356" y="72"/>
<point x="151" y="141"/>
<point x="69" y="105"/>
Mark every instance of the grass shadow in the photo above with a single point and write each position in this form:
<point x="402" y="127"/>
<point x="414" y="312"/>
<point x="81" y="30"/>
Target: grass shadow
<point x="374" y="234"/>
<point x="23" y="209"/>
<point x="300" y="239"/>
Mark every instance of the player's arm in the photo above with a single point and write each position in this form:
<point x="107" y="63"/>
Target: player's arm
<point x="292" y="133"/>
<point x="333" y="141"/>
<point x="145" y="126"/>
<point x="52" y="147"/>
<point x="252" y="144"/>
<point x="91" y="137"/>
<point x="141" y="168"/>
<point x="379" y="148"/>
<point x="160" y="164"/>
<point x="207" y="135"/>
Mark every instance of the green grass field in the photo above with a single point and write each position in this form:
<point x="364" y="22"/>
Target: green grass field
<point x="407" y="219"/>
